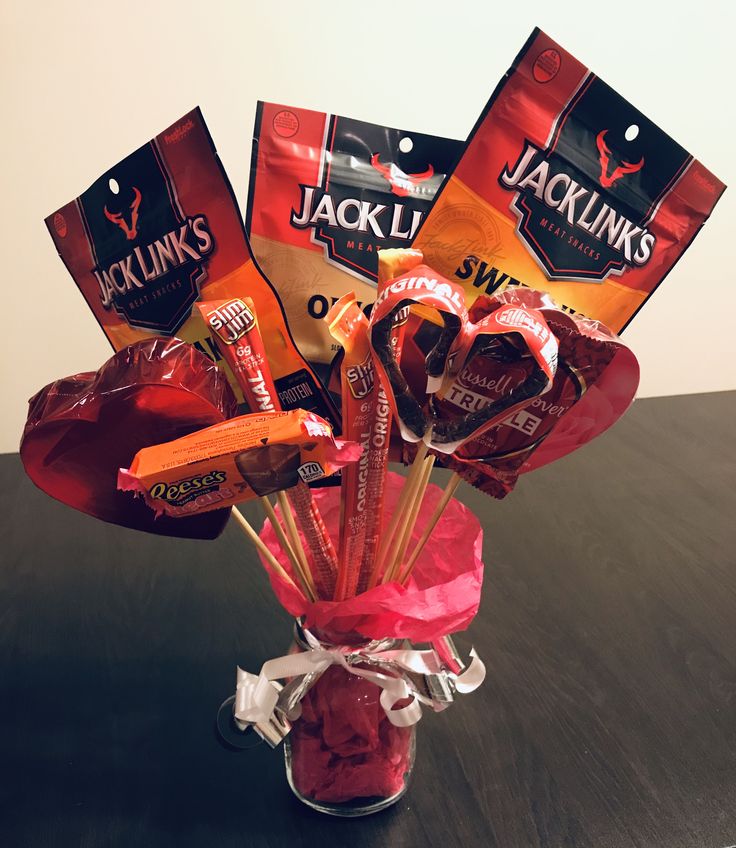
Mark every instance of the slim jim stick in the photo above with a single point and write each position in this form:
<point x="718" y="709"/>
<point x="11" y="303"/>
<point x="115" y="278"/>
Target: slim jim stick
<point x="391" y="263"/>
<point x="324" y="557"/>
<point x="318" y="539"/>
<point x="349" y="326"/>
<point x="378" y="460"/>
<point x="380" y="436"/>
<point x="235" y="332"/>
<point x="405" y="497"/>
<point x="447" y="494"/>
<point x="300" y="558"/>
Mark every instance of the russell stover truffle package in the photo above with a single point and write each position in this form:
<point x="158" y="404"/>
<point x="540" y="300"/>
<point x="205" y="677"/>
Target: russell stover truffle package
<point x="158" y="230"/>
<point x="565" y="187"/>
<point x="326" y="192"/>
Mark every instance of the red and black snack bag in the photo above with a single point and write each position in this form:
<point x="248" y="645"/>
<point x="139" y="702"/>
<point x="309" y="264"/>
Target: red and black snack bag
<point x="158" y="230"/>
<point x="565" y="187"/>
<point x="326" y="192"/>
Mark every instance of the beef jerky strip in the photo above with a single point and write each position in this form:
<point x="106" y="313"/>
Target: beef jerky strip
<point x="349" y="327"/>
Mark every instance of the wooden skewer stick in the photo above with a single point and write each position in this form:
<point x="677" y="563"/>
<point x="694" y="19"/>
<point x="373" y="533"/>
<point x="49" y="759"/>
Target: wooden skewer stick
<point x="290" y="524"/>
<point x="404" y="497"/>
<point x="305" y="573"/>
<point x="248" y="530"/>
<point x="409" y="521"/>
<point x="447" y="494"/>
<point x="281" y="536"/>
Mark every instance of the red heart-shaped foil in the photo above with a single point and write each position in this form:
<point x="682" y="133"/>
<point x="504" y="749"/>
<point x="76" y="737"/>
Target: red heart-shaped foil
<point x="81" y="429"/>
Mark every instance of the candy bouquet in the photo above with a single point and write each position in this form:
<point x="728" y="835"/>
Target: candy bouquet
<point x="426" y="304"/>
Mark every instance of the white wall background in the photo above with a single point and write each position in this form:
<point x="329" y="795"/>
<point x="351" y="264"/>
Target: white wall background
<point x="84" y="84"/>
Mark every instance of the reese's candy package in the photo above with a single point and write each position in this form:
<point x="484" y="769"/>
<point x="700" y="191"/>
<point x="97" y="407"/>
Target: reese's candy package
<point x="238" y="460"/>
<point x="158" y="230"/>
<point x="327" y="192"/>
<point x="564" y="186"/>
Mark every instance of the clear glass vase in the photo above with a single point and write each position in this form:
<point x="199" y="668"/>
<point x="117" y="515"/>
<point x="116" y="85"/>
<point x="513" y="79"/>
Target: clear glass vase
<point x="343" y="755"/>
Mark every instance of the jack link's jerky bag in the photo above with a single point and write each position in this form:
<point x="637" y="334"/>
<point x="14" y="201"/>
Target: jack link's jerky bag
<point x="327" y="192"/>
<point x="156" y="231"/>
<point x="567" y="188"/>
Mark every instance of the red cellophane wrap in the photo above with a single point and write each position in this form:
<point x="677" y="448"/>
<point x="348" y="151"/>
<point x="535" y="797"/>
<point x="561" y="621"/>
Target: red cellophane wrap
<point x="82" y="429"/>
<point x="344" y="746"/>
<point x="604" y="402"/>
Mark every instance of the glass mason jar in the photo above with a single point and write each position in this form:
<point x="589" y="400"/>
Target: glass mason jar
<point x="343" y="756"/>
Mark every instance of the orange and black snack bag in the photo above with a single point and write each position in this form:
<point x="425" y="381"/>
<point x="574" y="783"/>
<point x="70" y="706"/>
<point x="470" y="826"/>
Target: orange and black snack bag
<point x="155" y="232"/>
<point x="238" y="460"/>
<point x="565" y="187"/>
<point x="326" y="193"/>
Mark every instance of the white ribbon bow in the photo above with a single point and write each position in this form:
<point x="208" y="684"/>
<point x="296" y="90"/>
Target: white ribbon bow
<point x="256" y="697"/>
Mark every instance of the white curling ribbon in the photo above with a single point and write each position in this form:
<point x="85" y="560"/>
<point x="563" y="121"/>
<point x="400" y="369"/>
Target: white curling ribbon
<point x="256" y="697"/>
<point x="473" y="675"/>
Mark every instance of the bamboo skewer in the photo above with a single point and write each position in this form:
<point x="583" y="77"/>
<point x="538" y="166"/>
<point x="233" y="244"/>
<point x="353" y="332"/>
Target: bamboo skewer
<point x="281" y="535"/>
<point x="389" y="572"/>
<point x="409" y="521"/>
<point x="447" y="494"/>
<point x="248" y="530"/>
<point x="405" y="497"/>
<point x="300" y="556"/>
<point x="291" y="531"/>
<point x="323" y="557"/>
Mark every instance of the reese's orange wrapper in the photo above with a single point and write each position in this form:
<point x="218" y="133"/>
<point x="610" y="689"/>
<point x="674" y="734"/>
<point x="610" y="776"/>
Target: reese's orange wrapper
<point x="565" y="187"/>
<point x="238" y="460"/>
<point x="157" y="231"/>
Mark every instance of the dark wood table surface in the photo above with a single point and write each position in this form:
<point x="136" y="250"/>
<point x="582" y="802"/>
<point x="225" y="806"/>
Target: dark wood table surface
<point x="608" y="626"/>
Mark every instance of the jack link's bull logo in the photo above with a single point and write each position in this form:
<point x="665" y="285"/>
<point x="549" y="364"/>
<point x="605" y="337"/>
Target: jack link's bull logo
<point x="604" y="154"/>
<point x="401" y="183"/>
<point x="117" y="217"/>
